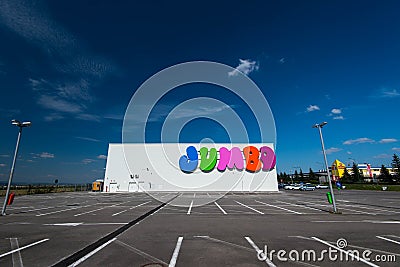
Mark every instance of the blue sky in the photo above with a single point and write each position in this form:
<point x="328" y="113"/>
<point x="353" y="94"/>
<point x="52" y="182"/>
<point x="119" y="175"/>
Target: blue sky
<point x="71" y="68"/>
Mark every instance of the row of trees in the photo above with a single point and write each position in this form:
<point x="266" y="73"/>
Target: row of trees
<point x="356" y="175"/>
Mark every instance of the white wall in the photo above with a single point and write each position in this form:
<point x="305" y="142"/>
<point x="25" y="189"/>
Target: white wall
<point x="155" y="167"/>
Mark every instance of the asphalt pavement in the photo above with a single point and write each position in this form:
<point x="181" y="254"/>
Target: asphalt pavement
<point x="133" y="229"/>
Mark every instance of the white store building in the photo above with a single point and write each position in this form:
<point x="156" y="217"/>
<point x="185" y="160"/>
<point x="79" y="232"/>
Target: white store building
<point x="156" y="167"/>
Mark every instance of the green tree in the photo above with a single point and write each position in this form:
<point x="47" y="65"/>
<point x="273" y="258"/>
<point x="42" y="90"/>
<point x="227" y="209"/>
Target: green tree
<point x="356" y="176"/>
<point x="396" y="165"/>
<point x="312" y="175"/>
<point x="301" y="175"/>
<point x="346" y="177"/>
<point x="296" y="175"/>
<point x="285" y="177"/>
<point x="385" y="175"/>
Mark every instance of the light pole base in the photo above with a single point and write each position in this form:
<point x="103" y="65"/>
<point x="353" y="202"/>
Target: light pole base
<point x="333" y="212"/>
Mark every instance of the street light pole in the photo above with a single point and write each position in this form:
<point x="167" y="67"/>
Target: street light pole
<point x="319" y="126"/>
<point x="20" y="125"/>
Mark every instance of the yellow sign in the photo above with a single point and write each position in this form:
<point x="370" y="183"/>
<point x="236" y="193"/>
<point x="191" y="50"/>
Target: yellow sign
<point x="338" y="168"/>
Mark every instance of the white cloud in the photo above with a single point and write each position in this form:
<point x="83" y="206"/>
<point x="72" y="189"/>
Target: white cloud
<point x="43" y="155"/>
<point x="57" y="104"/>
<point x="63" y="52"/>
<point x="397" y="149"/>
<point x="88" y="117"/>
<point x="382" y="156"/>
<point x="333" y="150"/>
<point x="88" y="139"/>
<point x="388" y="140"/>
<point x="246" y="66"/>
<point x="25" y="19"/>
<point x="199" y="111"/>
<point x="335" y="112"/>
<point x="87" y="161"/>
<point x="64" y="98"/>
<point x="46" y="155"/>
<point x="387" y="93"/>
<point x="282" y="61"/>
<point x="338" y="118"/>
<point x="31" y="21"/>
<point x="349" y="152"/>
<point x="53" y="117"/>
<point x="312" y="108"/>
<point x="102" y="157"/>
<point x="358" y="141"/>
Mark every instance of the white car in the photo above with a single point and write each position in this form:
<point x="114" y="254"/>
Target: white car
<point x="307" y="187"/>
<point x="297" y="187"/>
<point x="321" y="186"/>
<point x="288" y="187"/>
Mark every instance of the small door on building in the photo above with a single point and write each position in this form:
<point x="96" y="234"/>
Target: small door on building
<point x="113" y="187"/>
<point x="133" y="187"/>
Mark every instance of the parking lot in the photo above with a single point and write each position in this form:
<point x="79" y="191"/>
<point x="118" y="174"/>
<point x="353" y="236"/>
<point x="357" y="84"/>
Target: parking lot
<point x="99" y="229"/>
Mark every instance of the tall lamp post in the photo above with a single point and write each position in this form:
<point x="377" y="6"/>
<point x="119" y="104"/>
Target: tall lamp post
<point x="319" y="126"/>
<point x="20" y="125"/>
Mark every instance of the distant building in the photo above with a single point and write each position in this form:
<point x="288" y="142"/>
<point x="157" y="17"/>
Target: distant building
<point x="369" y="172"/>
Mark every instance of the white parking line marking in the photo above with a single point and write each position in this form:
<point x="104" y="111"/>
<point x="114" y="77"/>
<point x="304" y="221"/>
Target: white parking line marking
<point x="58" y="211"/>
<point x="344" y="251"/>
<point x="139" y="205"/>
<point x="369" y="208"/>
<point x="92" y="253"/>
<point x="260" y="212"/>
<point x="259" y="251"/>
<point x="278" y="207"/>
<point x="24" y="247"/>
<point x="141" y="253"/>
<point x="190" y="208"/>
<point x="16" y="257"/>
<point x="87" y="212"/>
<point x="46" y="208"/>
<point x="359" y="211"/>
<point x="224" y="212"/>
<point x="64" y="224"/>
<point x="208" y="195"/>
<point x="389" y="222"/>
<point x="172" y="262"/>
<point x="301" y="206"/>
<point x="324" y="205"/>
<point x="388" y="239"/>
<point x="115" y="214"/>
<point x="222" y="242"/>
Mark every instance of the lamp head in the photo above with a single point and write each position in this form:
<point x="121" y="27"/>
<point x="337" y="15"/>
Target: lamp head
<point x="15" y="122"/>
<point x="21" y="124"/>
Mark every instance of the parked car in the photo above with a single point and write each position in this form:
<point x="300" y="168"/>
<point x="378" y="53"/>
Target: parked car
<point x="307" y="187"/>
<point x="288" y="187"/>
<point x="296" y="187"/>
<point x="321" y="186"/>
<point x="281" y="185"/>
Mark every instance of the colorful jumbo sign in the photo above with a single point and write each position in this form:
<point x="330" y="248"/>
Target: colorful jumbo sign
<point x="252" y="159"/>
